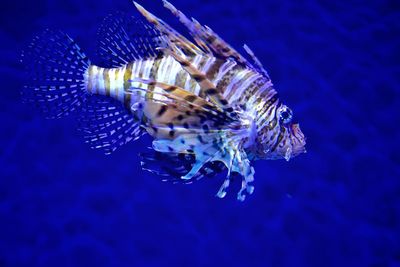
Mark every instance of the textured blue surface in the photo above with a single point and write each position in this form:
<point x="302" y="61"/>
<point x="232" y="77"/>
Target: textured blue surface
<point x="336" y="63"/>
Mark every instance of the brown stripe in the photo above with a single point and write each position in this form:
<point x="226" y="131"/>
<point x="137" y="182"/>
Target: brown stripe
<point x="184" y="63"/>
<point x="202" y="62"/>
<point x="90" y="78"/>
<point x="279" y="139"/>
<point x="252" y="90"/>
<point x="238" y="86"/>
<point x="211" y="91"/>
<point x="154" y="69"/>
<point x="190" y="98"/>
<point x="106" y="78"/>
<point x="214" y="69"/>
<point x="227" y="78"/>
<point x="153" y="76"/>
<point x="192" y="82"/>
<point x="162" y="110"/>
<point x="266" y="107"/>
<point x="170" y="89"/>
<point x="198" y="77"/>
<point x="211" y="38"/>
<point x="117" y="86"/>
<point x="127" y="85"/>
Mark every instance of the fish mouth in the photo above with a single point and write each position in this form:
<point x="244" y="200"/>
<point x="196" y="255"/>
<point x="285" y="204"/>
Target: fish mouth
<point x="298" y="140"/>
<point x="291" y="144"/>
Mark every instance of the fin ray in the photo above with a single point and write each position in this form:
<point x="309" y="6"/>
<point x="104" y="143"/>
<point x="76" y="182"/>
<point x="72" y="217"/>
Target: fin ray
<point x="206" y="36"/>
<point x="172" y="166"/>
<point x="211" y="42"/>
<point x="55" y="68"/>
<point x="176" y="41"/>
<point x="123" y="39"/>
<point x="106" y="124"/>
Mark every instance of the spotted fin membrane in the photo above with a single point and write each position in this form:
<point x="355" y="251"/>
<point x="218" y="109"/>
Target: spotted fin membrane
<point x="55" y="67"/>
<point x="172" y="166"/>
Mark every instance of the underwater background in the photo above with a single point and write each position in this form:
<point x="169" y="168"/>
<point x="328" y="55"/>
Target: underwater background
<point x="335" y="63"/>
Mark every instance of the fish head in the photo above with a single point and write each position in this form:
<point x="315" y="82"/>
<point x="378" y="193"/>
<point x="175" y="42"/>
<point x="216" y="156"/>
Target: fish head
<point x="280" y="137"/>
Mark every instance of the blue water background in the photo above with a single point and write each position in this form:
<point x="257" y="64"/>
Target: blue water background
<point x="335" y="63"/>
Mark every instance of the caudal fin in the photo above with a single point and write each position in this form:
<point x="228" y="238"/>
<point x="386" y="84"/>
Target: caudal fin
<point x="55" y="69"/>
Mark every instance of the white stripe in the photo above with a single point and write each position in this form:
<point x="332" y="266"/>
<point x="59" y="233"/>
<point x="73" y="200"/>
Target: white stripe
<point x="189" y="80"/>
<point x="244" y="86"/>
<point x="95" y="79"/>
<point x="260" y="91"/>
<point x="162" y="76"/>
<point x="136" y="68"/>
<point x="135" y="73"/>
<point x="196" y="63"/>
<point x="120" y="83"/>
<point x="100" y="82"/>
<point x="160" y="71"/>
<point x="210" y="61"/>
<point x="148" y="64"/>
<point x="236" y="79"/>
<point x="227" y="66"/>
<point x="169" y="67"/>
<point x="111" y="77"/>
<point x="175" y="67"/>
<point x="271" y="112"/>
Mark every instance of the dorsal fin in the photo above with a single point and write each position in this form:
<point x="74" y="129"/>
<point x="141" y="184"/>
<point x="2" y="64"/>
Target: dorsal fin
<point x="123" y="38"/>
<point x="176" y="41"/>
<point x="206" y="36"/>
<point x="209" y="41"/>
<point x="256" y="61"/>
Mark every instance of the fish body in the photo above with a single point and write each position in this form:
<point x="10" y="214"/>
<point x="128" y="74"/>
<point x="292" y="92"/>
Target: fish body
<point x="205" y="105"/>
<point x="240" y="86"/>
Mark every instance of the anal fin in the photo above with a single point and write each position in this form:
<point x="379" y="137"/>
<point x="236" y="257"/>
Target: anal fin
<point x="106" y="124"/>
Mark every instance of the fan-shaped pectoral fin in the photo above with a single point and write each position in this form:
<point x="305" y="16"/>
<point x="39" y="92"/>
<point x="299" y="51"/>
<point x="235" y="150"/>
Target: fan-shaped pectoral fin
<point x="243" y="167"/>
<point x="237" y="162"/>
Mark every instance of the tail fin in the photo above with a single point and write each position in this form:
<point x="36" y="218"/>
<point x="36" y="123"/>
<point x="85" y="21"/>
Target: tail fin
<point x="55" y="69"/>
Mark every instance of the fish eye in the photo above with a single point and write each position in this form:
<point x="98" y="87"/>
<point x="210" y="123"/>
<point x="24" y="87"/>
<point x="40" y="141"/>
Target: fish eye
<point x="285" y="115"/>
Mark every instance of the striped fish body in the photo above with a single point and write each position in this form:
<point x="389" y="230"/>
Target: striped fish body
<point x="206" y="106"/>
<point x="239" y="85"/>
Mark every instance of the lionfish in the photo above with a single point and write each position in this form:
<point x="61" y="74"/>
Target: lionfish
<point x="207" y="107"/>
